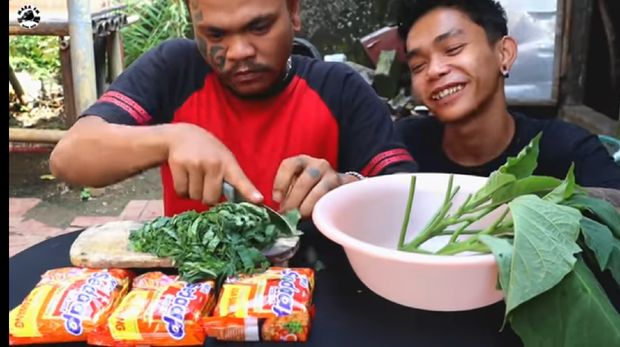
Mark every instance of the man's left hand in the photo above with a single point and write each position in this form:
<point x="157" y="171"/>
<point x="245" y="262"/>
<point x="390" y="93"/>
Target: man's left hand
<point x="301" y="180"/>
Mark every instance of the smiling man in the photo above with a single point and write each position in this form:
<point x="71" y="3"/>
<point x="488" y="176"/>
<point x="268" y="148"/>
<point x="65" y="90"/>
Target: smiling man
<point x="234" y="105"/>
<point x="459" y="54"/>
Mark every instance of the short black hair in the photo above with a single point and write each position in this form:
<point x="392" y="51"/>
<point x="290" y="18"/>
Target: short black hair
<point x="488" y="14"/>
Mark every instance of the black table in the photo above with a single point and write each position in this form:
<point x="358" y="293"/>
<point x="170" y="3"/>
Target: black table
<point x="347" y="313"/>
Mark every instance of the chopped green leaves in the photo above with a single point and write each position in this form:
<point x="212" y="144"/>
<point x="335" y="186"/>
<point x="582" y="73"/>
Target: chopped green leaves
<point x="226" y="240"/>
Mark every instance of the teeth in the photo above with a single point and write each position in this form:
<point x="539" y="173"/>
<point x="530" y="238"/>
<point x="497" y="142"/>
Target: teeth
<point x="445" y="92"/>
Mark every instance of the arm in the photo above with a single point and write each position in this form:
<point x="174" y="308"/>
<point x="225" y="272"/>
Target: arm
<point x="107" y="146"/>
<point x="369" y="142"/>
<point x="594" y="166"/>
<point x="97" y="153"/>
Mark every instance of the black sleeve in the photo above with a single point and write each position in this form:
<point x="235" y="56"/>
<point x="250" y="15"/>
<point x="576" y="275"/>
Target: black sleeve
<point x="594" y="167"/>
<point x="154" y="86"/>
<point x="368" y="141"/>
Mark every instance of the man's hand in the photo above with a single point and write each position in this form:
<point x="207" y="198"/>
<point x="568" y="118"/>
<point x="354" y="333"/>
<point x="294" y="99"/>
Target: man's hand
<point x="199" y="164"/>
<point x="302" y="180"/>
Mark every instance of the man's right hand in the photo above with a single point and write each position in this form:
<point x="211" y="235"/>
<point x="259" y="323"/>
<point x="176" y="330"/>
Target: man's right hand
<point x="200" y="163"/>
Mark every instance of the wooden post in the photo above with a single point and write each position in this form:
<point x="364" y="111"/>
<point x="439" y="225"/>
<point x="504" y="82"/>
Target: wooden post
<point x="101" y="65"/>
<point x="82" y="55"/>
<point x="35" y="135"/>
<point x="17" y="87"/>
<point x="45" y="28"/>
<point x="67" y="81"/>
<point x="115" y="55"/>
<point x="575" y="51"/>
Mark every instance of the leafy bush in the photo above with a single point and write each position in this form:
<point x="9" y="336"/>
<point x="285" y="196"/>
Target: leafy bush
<point x="159" y="20"/>
<point x="38" y="55"/>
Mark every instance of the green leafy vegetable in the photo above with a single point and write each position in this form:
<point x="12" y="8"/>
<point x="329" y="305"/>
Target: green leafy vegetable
<point x="600" y="208"/>
<point x="223" y="241"/>
<point x="574" y="313"/>
<point x="544" y="244"/>
<point x="552" y="298"/>
<point x="606" y="248"/>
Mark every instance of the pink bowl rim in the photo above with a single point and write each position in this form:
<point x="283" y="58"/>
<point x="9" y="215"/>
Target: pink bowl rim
<point x="348" y="242"/>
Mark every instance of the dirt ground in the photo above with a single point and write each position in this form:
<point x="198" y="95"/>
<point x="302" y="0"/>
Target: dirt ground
<point x="29" y="175"/>
<point x="60" y="203"/>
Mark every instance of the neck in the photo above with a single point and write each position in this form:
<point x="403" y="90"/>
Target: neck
<point x="481" y="137"/>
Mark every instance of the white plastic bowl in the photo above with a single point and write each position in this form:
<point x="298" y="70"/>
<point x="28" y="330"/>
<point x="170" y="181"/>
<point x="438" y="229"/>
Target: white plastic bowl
<point x="365" y="218"/>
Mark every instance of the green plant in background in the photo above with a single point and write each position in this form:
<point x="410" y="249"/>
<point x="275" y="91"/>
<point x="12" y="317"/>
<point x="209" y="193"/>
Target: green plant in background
<point x="159" y="20"/>
<point x="38" y="55"/>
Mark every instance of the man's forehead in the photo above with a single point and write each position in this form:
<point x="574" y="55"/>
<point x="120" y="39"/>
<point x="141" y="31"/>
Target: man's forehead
<point x="228" y="5"/>
<point x="441" y="20"/>
<point x="228" y="13"/>
<point x="438" y="25"/>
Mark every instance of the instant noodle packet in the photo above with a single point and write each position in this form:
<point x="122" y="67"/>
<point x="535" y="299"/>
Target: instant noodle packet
<point x="272" y="306"/>
<point x="66" y="305"/>
<point x="160" y="310"/>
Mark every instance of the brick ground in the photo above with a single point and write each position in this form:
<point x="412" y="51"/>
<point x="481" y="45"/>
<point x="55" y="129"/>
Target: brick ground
<point x="24" y="233"/>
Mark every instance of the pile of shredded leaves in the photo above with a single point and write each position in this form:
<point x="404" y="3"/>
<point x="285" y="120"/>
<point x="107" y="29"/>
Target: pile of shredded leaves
<point x="223" y="241"/>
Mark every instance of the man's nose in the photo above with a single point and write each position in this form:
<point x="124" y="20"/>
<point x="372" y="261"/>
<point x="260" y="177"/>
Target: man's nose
<point x="437" y="68"/>
<point x="240" y="48"/>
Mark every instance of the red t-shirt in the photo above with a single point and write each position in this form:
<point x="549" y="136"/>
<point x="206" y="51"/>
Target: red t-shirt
<point x="324" y="110"/>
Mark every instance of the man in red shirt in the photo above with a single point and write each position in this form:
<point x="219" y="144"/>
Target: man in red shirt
<point x="234" y="105"/>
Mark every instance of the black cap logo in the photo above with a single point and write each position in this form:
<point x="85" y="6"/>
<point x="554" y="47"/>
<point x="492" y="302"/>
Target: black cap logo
<point x="28" y="17"/>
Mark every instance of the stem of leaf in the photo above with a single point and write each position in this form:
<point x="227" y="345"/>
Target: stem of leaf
<point x="446" y="198"/>
<point x="500" y="230"/>
<point x="438" y="223"/>
<point x="470" y="218"/>
<point x="403" y="229"/>
<point x="460" y="230"/>
<point x="470" y="244"/>
<point x="491" y="228"/>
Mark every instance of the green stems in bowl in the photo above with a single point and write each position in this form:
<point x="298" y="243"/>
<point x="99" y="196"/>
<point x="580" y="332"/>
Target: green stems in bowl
<point x="467" y="214"/>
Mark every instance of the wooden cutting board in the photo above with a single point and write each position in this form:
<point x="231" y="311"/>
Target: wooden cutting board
<point x="107" y="246"/>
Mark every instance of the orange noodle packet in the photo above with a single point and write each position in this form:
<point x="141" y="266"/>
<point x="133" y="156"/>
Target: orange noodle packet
<point x="67" y="304"/>
<point x="160" y="310"/>
<point x="272" y="306"/>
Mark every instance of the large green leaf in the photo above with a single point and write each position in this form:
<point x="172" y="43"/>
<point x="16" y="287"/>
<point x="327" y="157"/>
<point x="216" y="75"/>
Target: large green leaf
<point x="606" y="248"/>
<point x="515" y="168"/>
<point x="544" y="244"/>
<point x="574" y="313"/>
<point x="564" y="190"/>
<point x="502" y="250"/>
<point x="527" y="185"/>
<point x="524" y="164"/>
<point x="603" y="210"/>
<point x="496" y="181"/>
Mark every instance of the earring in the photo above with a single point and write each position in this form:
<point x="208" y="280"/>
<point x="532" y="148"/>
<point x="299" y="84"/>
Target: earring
<point x="505" y="72"/>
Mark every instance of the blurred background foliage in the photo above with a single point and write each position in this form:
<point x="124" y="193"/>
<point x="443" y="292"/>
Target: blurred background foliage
<point x="332" y="25"/>
<point x="159" y="20"/>
<point x="36" y="54"/>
